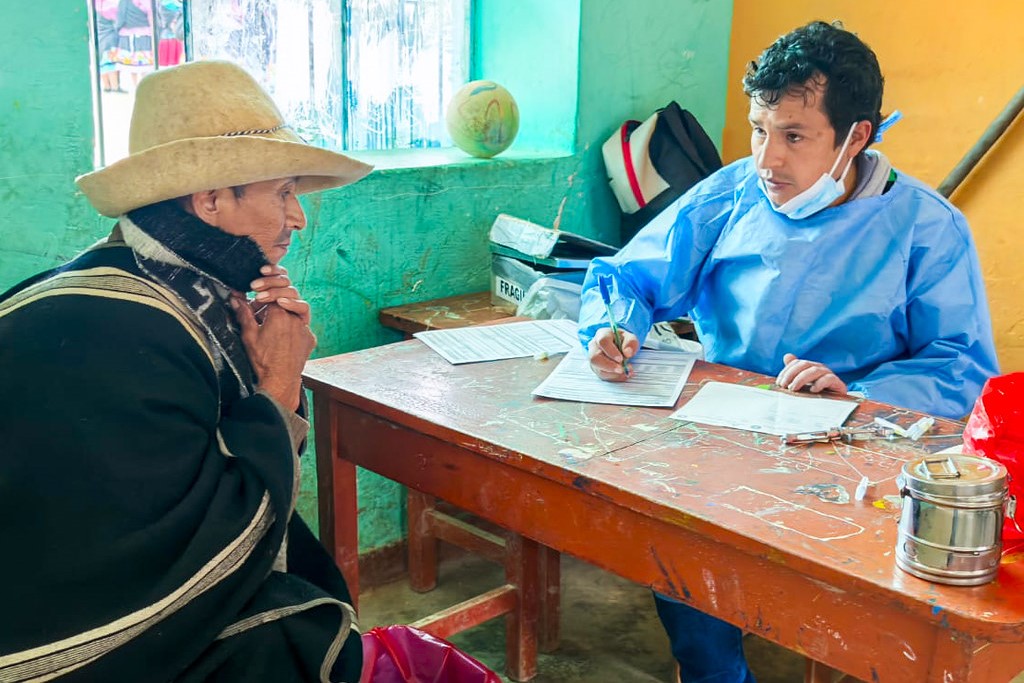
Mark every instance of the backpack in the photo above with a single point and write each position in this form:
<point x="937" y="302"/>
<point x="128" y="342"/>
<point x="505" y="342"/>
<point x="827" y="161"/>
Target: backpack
<point x="651" y="164"/>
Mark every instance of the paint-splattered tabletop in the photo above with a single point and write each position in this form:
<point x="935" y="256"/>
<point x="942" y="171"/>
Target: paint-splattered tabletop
<point x="444" y="314"/>
<point x="787" y="506"/>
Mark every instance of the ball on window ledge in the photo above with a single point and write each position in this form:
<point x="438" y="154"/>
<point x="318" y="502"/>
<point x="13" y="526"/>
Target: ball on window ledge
<point x="482" y="119"/>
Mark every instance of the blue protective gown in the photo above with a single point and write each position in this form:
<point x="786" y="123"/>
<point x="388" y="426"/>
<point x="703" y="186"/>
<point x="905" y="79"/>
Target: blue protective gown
<point x="885" y="290"/>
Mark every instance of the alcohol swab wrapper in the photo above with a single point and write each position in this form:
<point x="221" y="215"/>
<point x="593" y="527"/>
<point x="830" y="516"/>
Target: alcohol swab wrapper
<point x="862" y="489"/>
<point x="897" y="430"/>
<point x="920" y="428"/>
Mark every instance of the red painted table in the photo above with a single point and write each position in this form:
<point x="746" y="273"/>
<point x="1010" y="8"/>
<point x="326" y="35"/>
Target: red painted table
<point x="733" y="522"/>
<point x="443" y="314"/>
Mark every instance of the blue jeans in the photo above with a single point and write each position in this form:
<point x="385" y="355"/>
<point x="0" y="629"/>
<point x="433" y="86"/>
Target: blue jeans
<point x="708" y="650"/>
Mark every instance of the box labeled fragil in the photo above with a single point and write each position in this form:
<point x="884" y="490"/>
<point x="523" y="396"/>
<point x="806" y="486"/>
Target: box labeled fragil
<point x="523" y="252"/>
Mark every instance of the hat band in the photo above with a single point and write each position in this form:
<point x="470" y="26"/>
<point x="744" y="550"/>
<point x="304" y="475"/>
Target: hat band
<point x="254" y="131"/>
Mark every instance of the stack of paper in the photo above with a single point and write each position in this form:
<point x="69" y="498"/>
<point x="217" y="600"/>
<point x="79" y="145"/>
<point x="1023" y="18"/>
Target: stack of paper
<point x="762" y="410"/>
<point x="498" y="342"/>
<point x="656" y="379"/>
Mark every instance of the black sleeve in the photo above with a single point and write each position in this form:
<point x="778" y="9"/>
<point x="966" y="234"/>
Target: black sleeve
<point x="124" y="494"/>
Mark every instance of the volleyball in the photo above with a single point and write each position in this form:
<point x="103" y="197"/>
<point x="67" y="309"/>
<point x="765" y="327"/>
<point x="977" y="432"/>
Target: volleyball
<point x="482" y="118"/>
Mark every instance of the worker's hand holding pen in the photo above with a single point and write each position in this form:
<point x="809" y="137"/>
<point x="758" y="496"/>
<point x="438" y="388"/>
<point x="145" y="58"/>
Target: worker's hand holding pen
<point x="610" y="344"/>
<point x="606" y="360"/>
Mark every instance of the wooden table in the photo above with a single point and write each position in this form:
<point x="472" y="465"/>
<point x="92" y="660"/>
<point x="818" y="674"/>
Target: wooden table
<point x="732" y="522"/>
<point x="443" y="314"/>
<point x="539" y="602"/>
<point x="467" y="309"/>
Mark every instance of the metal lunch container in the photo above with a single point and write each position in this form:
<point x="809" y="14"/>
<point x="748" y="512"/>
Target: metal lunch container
<point x="951" y="523"/>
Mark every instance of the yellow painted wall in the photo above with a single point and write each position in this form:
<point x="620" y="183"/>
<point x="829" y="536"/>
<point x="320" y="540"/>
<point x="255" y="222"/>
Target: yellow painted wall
<point x="950" y="67"/>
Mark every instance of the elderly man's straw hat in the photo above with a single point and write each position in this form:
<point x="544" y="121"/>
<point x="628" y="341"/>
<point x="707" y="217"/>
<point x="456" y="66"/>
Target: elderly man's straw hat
<point x="203" y="126"/>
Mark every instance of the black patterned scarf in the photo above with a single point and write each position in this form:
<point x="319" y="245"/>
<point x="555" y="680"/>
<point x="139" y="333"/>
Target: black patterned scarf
<point x="202" y="265"/>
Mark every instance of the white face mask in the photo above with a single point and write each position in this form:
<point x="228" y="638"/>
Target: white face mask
<point x="818" y="196"/>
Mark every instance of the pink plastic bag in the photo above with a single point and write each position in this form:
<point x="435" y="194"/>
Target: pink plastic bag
<point x="995" y="430"/>
<point x="402" y="654"/>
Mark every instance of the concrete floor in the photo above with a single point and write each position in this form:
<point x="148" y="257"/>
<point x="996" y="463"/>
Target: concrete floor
<point x="610" y="632"/>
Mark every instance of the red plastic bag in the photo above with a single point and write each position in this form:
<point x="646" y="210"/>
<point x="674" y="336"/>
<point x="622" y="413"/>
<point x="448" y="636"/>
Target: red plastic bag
<point x="402" y="654"/>
<point x="995" y="430"/>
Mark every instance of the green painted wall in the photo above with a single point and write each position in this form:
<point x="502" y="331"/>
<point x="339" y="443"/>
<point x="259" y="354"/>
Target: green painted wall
<point x="636" y="57"/>
<point x="532" y="48"/>
<point x="46" y="130"/>
<point x="399" y="236"/>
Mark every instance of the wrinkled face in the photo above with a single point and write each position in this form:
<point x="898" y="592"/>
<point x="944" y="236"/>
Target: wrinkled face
<point x="793" y="143"/>
<point x="267" y="212"/>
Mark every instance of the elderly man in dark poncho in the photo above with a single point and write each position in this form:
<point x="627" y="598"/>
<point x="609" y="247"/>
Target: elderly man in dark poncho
<point x="151" y="418"/>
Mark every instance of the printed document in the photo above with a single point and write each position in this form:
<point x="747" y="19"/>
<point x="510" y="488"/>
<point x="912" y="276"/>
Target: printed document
<point x="656" y="380"/>
<point x="498" y="342"/>
<point x="762" y="410"/>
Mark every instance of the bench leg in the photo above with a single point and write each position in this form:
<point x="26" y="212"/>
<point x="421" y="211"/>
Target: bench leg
<point x="532" y="569"/>
<point x="422" y="543"/>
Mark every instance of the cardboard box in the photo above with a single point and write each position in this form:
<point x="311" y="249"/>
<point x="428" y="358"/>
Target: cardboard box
<point x="523" y="252"/>
<point x="511" y="278"/>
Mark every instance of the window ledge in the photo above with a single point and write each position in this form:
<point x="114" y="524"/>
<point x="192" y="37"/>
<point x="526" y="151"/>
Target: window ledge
<point x="396" y="159"/>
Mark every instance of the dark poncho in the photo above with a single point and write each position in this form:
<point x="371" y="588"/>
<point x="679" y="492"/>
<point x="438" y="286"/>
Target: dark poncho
<point x="146" y="490"/>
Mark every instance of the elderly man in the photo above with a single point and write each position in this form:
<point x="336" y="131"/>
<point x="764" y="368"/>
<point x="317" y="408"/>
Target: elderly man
<point x="151" y="414"/>
<point x="814" y="261"/>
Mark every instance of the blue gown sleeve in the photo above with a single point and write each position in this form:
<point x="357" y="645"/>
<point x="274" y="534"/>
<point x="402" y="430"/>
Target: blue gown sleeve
<point x="951" y="351"/>
<point x="656" y="276"/>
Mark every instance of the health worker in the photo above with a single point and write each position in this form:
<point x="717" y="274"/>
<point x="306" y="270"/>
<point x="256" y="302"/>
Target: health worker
<point x="814" y="261"/>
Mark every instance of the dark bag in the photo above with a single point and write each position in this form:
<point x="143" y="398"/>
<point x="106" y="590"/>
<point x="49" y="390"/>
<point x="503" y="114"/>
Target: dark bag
<point x="651" y="164"/>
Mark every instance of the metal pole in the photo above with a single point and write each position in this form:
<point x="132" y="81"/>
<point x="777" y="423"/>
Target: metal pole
<point x="981" y="147"/>
<point x="99" y="154"/>
<point x="154" y="34"/>
<point x="186" y="19"/>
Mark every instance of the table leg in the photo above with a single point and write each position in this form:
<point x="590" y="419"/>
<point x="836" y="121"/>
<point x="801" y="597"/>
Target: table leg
<point x="551" y="605"/>
<point x="522" y="569"/>
<point x="336" y="494"/>
<point x="961" y="658"/>
<point x="422" y="543"/>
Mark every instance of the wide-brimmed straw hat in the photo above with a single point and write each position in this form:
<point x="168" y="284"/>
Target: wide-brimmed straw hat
<point x="203" y="126"/>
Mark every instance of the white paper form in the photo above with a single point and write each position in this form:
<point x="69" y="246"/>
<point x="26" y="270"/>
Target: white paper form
<point x="498" y="342"/>
<point x="657" y="379"/>
<point x="761" y="410"/>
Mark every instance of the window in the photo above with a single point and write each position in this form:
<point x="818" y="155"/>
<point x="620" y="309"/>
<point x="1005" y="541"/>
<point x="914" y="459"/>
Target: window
<point x="405" y="60"/>
<point x="347" y="74"/>
<point x="124" y="34"/>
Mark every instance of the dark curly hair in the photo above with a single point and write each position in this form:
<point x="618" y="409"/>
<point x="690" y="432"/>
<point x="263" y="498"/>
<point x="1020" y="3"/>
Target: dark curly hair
<point x="823" y="53"/>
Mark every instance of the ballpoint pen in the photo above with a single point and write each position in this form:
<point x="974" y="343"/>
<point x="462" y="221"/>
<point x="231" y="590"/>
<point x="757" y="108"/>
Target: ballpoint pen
<point x="602" y="283"/>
